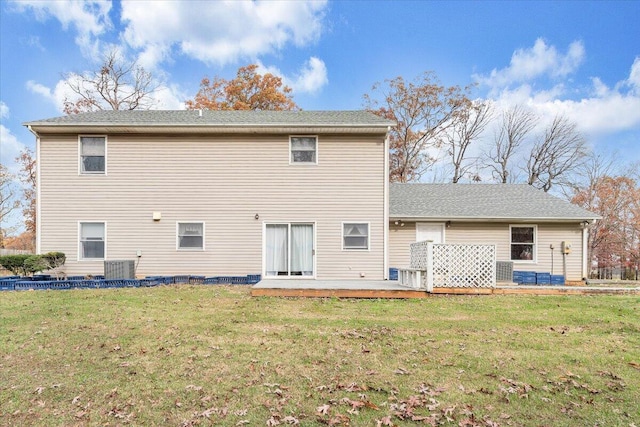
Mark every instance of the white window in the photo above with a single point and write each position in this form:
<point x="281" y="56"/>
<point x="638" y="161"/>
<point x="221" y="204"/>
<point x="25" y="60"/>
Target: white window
<point x="92" y="240"/>
<point x="355" y="235"/>
<point x="191" y="235"/>
<point x="93" y="154"/>
<point x="304" y="149"/>
<point x="523" y="242"/>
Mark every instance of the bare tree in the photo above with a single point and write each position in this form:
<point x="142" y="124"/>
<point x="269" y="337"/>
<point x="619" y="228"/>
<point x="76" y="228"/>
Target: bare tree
<point x="8" y="202"/>
<point x="116" y="85"/>
<point x="422" y="109"/>
<point x="558" y="151"/>
<point x="28" y="177"/>
<point x="516" y="125"/>
<point x="467" y="124"/>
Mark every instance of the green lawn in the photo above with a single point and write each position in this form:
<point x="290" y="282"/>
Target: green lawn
<point x="212" y="355"/>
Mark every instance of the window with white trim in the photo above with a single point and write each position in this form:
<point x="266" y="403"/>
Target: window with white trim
<point x="355" y="235"/>
<point x="304" y="149"/>
<point x="523" y="242"/>
<point x="191" y="235"/>
<point x="93" y="154"/>
<point x="92" y="240"/>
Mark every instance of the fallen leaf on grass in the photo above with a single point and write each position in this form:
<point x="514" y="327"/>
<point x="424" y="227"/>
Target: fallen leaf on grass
<point x="431" y="419"/>
<point x="291" y="420"/>
<point x="323" y="410"/>
<point x="386" y="421"/>
<point x="426" y="389"/>
<point x="354" y="387"/>
<point x="39" y="390"/>
<point x="401" y="371"/>
<point x="339" y="419"/>
<point x="634" y="365"/>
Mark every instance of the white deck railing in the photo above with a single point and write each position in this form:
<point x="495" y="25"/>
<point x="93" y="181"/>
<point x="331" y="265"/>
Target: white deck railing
<point x="449" y="266"/>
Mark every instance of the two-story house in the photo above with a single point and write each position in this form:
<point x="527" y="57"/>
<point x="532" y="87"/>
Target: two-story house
<point x="284" y="194"/>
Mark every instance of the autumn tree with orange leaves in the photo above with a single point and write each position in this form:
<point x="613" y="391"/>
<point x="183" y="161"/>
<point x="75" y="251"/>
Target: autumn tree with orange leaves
<point x="614" y="240"/>
<point x="423" y="110"/>
<point x="249" y="90"/>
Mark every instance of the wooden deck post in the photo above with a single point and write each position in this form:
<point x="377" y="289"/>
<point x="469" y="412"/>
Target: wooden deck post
<point x="429" y="278"/>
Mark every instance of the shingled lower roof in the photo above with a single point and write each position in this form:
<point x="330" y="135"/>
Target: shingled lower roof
<point x="211" y="120"/>
<point x="474" y="202"/>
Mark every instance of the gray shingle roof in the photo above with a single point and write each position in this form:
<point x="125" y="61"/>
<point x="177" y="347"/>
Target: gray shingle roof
<point x="480" y="202"/>
<point x="217" y="118"/>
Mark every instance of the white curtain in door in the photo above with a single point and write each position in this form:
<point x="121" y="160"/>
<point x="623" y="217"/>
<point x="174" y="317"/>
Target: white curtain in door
<point x="302" y="249"/>
<point x="276" y="248"/>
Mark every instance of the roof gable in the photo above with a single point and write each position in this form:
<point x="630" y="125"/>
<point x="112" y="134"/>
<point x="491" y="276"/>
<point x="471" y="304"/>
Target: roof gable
<point x="489" y="202"/>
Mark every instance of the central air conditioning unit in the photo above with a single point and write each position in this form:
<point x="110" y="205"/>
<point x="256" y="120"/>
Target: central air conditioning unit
<point x="120" y="269"/>
<point x="504" y="271"/>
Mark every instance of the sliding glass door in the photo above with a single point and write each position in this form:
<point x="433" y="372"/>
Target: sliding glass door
<point x="289" y="250"/>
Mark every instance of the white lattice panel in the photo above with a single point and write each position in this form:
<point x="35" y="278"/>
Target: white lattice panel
<point x="464" y="266"/>
<point x="419" y="255"/>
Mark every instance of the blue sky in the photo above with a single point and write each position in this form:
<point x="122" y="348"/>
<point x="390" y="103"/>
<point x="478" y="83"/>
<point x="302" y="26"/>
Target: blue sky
<point x="580" y="59"/>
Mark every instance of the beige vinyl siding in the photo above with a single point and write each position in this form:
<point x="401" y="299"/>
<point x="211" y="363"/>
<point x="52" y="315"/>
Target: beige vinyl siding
<point x="498" y="233"/>
<point x="223" y="181"/>
<point x="400" y="238"/>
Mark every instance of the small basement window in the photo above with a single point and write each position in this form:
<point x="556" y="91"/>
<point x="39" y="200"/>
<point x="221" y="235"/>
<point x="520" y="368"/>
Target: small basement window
<point x="304" y="149"/>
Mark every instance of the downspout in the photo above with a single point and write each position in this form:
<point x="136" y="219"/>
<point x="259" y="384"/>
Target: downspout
<point x="38" y="249"/>
<point x="385" y="262"/>
<point x="585" y="251"/>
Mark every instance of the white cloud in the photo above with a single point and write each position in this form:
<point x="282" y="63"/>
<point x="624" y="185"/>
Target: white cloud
<point x="55" y="96"/>
<point x="90" y="18"/>
<point x="4" y="110"/>
<point x="312" y="77"/>
<point x="309" y="79"/>
<point x="606" y="110"/>
<point x="613" y="112"/>
<point x="219" y="32"/>
<point x="10" y="147"/>
<point x="541" y="60"/>
<point x="169" y="98"/>
<point x="634" y="76"/>
<point x="602" y="111"/>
